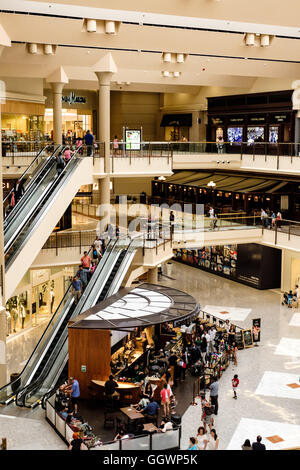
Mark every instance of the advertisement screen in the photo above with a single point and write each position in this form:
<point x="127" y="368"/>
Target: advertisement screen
<point x="133" y="139"/>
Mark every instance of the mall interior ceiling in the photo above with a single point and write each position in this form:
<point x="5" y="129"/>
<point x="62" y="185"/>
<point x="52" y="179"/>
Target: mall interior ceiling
<point x="239" y="46"/>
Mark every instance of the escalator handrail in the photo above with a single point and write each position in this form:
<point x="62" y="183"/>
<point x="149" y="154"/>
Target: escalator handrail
<point x="22" y="393"/>
<point x="27" y="170"/>
<point x="24" y="198"/>
<point x="53" y="335"/>
<point x="39" y="203"/>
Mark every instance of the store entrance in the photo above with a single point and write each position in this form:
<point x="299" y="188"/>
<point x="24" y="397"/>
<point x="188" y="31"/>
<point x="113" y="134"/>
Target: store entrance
<point x="74" y="123"/>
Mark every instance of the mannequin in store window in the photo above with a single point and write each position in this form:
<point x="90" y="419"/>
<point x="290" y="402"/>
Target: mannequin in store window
<point x="14" y="314"/>
<point x="8" y="323"/>
<point x="52" y="298"/>
<point x="22" y="314"/>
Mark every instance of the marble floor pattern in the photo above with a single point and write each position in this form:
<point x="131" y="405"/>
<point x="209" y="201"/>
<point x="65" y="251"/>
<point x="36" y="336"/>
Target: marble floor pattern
<point x="279" y="384"/>
<point x="286" y="434"/>
<point x="29" y="434"/>
<point x="228" y="313"/>
<point x="278" y="352"/>
<point x="295" y="320"/>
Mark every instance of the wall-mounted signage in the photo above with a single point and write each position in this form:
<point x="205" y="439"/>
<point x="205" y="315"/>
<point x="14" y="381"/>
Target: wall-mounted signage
<point x="72" y="98"/>
<point x="215" y="121"/>
<point x="259" y="119"/>
<point x="279" y="118"/>
<point x="237" y="120"/>
<point x="133" y="139"/>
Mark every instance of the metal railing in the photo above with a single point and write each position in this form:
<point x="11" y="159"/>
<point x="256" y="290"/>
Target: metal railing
<point x="169" y="148"/>
<point x="149" y="442"/>
<point x="13" y="149"/>
<point x="85" y="238"/>
<point x="158" y="148"/>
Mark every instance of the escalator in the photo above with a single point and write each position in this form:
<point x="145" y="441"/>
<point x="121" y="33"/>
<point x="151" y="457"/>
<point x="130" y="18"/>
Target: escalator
<point x="28" y="179"/>
<point x="50" y="356"/>
<point x="32" y="220"/>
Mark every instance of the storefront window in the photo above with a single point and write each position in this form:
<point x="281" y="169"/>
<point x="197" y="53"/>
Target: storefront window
<point x="235" y="134"/>
<point x="273" y="134"/>
<point x="22" y="127"/>
<point x="255" y="134"/>
<point x="17" y="314"/>
<point x="74" y="124"/>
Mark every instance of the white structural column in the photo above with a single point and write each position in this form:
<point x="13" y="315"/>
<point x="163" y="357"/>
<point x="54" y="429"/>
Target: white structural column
<point x="57" y="80"/>
<point x="152" y="275"/>
<point x="104" y="69"/>
<point x="296" y="106"/>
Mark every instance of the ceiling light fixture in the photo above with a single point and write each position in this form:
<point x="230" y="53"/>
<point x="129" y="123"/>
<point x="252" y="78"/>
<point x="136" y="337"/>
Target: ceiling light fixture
<point x="110" y="27"/>
<point x="48" y="49"/>
<point x="180" y="58"/>
<point x="91" y="26"/>
<point x="249" y="39"/>
<point x="32" y="48"/>
<point x="167" y="57"/>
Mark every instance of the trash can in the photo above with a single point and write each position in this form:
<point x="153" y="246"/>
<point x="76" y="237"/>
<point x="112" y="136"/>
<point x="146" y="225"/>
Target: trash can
<point x="16" y="381"/>
<point x="169" y="269"/>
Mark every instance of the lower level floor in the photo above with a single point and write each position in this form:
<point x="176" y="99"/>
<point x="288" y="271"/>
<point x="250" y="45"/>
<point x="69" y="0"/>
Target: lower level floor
<point x="268" y="400"/>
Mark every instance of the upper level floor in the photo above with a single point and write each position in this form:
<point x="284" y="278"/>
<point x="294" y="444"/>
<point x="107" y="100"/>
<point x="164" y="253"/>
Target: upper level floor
<point x="162" y="158"/>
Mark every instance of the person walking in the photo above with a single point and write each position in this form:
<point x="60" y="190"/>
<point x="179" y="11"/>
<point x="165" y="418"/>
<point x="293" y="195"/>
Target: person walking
<point x="234" y="351"/>
<point x="235" y="384"/>
<point x="207" y="414"/>
<point x="77" y="443"/>
<point x="18" y="190"/>
<point x="214" y="392"/>
<point x="76" y="289"/>
<point x="258" y="445"/>
<point x="165" y="399"/>
<point x="213" y="442"/>
<point x="116" y="145"/>
<point x="75" y="393"/>
<point x="193" y="444"/>
<point x="220" y="144"/>
<point x="60" y="164"/>
<point x="202" y="438"/>
<point x="89" y="140"/>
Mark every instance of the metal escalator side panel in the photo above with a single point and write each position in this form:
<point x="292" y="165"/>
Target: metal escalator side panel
<point x="21" y="397"/>
<point x="33" y="164"/>
<point x="43" y="204"/>
<point x="32" y="185"/>
<point x="34" y="199"/>
<point x="120" y="274"/>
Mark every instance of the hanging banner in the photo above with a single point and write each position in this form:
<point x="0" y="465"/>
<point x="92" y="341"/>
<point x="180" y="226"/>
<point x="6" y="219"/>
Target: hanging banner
<point x="256" y="327"/>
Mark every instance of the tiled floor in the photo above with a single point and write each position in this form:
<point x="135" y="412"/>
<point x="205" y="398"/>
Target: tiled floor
<point x="279" y="384"/>
<point x="265" y="404"/>
<point x="247" y="429"/>
<point x="278" y="353"/>
<point x="231" y="313"/>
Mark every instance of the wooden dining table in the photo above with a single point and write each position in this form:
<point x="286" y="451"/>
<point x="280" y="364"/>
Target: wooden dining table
<point x="131" y="413"/>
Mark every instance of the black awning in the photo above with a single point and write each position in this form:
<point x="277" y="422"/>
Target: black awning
<point x="180" y="120"/>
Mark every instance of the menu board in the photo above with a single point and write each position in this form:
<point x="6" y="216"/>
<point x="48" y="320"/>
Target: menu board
<point x="248" y="339"/>
<point x="239" y="339"/>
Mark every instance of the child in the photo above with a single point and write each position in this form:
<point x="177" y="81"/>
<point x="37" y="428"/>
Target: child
<point x="235" y="383"/>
